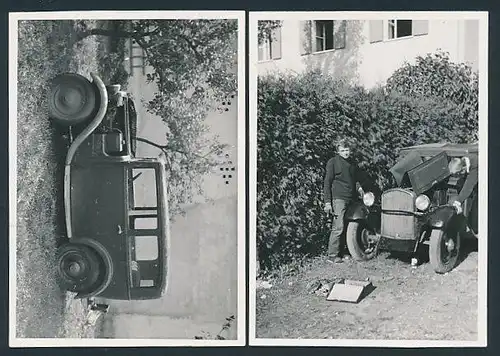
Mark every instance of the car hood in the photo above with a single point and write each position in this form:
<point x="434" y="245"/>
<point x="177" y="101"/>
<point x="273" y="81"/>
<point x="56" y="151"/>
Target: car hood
<point x="407" y="163"/>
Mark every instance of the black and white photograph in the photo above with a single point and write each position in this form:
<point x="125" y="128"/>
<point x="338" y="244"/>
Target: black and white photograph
<point x="127" y="178"/>
<point x="368" y="156"/>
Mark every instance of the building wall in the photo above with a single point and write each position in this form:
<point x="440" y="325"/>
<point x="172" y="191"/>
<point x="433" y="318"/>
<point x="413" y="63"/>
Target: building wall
<point x="202" y="286"/>
<point x="368" y="63"/>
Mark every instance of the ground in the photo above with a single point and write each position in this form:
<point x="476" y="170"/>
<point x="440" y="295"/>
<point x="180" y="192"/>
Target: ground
<point x="407" y="303"/>
<point x="46" y="48"/>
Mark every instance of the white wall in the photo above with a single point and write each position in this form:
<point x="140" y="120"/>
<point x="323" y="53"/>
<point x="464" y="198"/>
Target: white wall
<point x="372" y="63"/>
<point x="202" y="289"/>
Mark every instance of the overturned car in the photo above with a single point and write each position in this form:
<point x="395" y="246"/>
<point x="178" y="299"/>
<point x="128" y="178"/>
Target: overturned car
<point x="419" y="210"/>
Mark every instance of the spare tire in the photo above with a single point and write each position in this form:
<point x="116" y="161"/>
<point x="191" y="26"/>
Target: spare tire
<point x="72" y="99"/>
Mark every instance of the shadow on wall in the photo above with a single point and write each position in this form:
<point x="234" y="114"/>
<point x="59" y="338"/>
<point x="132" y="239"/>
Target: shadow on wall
<point x="202" y="287"/>
<point x="343" y="63"/>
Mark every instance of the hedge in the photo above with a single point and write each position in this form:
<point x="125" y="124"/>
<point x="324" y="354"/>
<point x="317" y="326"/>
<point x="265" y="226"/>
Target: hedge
<point x="301" y="116"/>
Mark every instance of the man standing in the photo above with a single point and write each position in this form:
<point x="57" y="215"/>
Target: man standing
<point x="340" y="185"/>
<point x="468" y="165"/>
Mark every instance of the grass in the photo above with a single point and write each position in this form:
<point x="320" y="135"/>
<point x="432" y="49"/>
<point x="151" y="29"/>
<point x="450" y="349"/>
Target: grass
<point x="407" y="303"/>
<point x="46" y="48"/>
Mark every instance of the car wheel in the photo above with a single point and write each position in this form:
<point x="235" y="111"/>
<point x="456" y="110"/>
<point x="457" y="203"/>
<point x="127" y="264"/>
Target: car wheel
<point x="360" y="242"/>
<point x="78" y="267"/>
<point x="72" y="99"/>
<point x="444" y="249"/>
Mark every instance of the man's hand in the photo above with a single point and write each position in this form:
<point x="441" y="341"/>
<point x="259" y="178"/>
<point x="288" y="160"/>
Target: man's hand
<point x="361" y="192"/>
<point x="328" y="208"/>
<point x="458" y="206"/>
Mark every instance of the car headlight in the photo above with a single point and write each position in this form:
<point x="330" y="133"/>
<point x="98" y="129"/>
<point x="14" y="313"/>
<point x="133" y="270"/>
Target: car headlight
<point x="368" y="199"/>
<point x="422" y="202"/>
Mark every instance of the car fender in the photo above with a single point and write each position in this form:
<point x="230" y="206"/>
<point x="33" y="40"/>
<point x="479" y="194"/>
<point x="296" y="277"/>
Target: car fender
<point x="442" y="217"/>
<point x="357" y="211"/>
<point x="106" y="259"/>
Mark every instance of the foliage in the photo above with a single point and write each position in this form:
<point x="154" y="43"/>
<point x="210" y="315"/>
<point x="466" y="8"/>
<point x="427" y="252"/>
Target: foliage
<point x="435" y="75"/>
<point x="265" y="29"/>
<point x="299" y="119"/>
<point x="111" y="65"/>
<point x="192" y="63"/>
<point x="219" y="336"/>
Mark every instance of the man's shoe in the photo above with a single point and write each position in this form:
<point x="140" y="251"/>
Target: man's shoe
<point x="335" y="259"/>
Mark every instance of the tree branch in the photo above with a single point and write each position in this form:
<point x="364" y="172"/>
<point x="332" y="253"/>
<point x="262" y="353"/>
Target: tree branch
<point x="192" y="45"/>
<point x="166" y="148"/>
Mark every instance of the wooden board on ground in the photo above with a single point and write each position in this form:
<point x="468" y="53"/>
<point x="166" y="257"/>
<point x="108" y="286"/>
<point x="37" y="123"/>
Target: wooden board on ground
<point x="350" y="291"/>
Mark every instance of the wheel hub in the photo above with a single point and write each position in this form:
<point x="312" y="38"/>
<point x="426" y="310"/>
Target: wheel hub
<point x="74" y="269"/>
<point x="69" y="99"/>
<point x="367" y="241"/>
<point x="450" y="245"/>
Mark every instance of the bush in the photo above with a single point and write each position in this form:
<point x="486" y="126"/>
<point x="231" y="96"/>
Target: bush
<point x="435" y="76"/>
<point x="301" y="116"/>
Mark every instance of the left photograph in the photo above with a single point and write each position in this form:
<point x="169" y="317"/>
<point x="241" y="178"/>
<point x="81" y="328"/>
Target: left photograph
<point x="127" y="179"/>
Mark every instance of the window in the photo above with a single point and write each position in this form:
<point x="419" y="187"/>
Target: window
<point x="147" y="222"/>
<point x="399" y="28"/>
<point x="146" y="248"/>
<point x="146" y="283"/>
<point x="323" y="35"/>
<point x="143" y="188"/>
<point x="381" y="30"/>
<point x="270" y="48"/>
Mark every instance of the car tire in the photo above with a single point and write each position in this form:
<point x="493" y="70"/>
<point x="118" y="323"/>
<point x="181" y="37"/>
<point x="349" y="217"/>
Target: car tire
<point x="78" y="268"/>
<point x="357" y="244"/>
<point x="72" y="99"/>
<point x="444" y="250"/>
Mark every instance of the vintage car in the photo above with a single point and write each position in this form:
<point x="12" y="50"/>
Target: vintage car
<point x="115" y="204"/>
<point x="418" y="210"/>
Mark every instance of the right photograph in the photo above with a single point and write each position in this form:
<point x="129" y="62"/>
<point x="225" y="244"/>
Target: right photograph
<point x="368" y="156"/>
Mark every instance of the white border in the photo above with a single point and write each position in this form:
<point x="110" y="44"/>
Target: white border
<point x="483" y="174"/>
<point x="123" y="15"/>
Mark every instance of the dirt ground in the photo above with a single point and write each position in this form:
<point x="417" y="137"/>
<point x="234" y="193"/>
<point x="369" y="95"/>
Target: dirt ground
<point x="407" y="303"/>
<point x="42" y="309"/>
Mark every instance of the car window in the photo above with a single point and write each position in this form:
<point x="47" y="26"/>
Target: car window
<point x="143" y="188"/>
<point x="146" y="283"/>
<point x="144" y="222"/>
<point x="146" y="248"/>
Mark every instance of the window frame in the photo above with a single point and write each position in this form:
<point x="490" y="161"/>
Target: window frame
<point x="324" y="37"/>
<point x="394" y="24"/>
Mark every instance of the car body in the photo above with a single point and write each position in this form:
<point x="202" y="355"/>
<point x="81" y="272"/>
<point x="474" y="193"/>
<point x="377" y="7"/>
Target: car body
<point x="418" y="210"/>
<point x="115" y="204"/>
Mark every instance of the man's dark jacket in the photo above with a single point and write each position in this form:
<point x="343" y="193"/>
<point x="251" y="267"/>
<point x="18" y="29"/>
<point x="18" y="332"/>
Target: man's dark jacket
<point x="472" y="179"/>
<point x="341" y="179"/>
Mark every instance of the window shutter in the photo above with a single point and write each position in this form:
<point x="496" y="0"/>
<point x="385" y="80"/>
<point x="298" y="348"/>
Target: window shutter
<point x="260" y="56"/>
<point x="339" y="34"/>
<point x="305" y="37"/>
<point x="276" y="43"/>
<point x="420" y="27"/>
<point x="376" y="31"/>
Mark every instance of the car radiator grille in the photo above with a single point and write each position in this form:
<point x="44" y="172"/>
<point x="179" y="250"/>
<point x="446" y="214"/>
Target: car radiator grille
<point x="398" y="220"/>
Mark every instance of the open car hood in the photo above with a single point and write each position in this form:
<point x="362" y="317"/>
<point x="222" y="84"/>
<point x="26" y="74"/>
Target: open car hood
<point x="407" y="163"/>
<point x="422" y="174"/>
